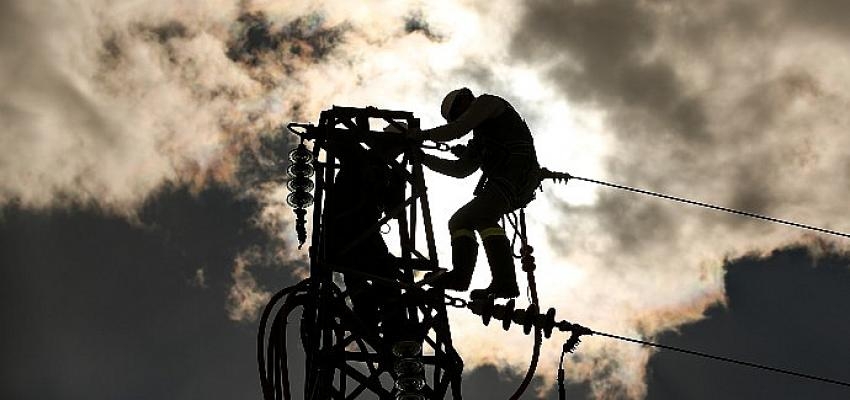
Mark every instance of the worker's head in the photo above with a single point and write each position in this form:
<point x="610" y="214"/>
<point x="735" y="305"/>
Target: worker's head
<point x="455" y="103"/>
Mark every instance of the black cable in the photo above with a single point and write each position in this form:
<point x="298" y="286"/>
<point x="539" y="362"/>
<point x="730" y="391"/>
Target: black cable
<point x="562" y="390"/>
<point x="277" y="341"/>
<point x="267" y="372"/>
<point x="532" y="366"/>
<point x="714" y="207"/>
<point x="725" y="359"/>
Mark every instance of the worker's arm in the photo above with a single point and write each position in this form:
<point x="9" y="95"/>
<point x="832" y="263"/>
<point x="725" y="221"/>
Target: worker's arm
<point x="485" y="106"/>
<point x="460" y="168"/>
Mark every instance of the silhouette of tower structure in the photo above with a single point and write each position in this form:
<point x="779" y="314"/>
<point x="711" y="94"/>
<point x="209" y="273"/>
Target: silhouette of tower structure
<point x="367" y="329"/>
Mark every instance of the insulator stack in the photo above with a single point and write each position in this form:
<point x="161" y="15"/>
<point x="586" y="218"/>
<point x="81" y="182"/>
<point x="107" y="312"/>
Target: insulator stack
<point x="527" y="318"/>
<point x="409" y="369"/>
<point x="300" y="185"/>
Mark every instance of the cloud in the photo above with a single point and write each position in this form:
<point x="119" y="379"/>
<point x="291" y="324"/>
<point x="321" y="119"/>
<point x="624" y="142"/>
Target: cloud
<point x="416" y="21"/>
<point x="730" y="103"/>
<point x="783" y="311"/>
<point x="245" y="299"/>
<point x="103" y="113"/>
<point x="103" y="102"/>
<point x="600" y="53"/>
<point x="121" y="295"/>
<point x="107" y="104"/>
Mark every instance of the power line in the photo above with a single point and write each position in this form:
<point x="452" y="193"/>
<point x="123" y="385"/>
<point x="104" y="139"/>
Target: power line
<point x="711" y="206"/>
<point x="564" y="177"/>
<point x="463" y="304"/>
<point x="725" y="359"/>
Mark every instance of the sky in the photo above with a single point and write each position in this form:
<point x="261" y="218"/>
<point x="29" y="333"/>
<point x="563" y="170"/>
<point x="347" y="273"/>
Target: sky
<point x="142" y="221"/>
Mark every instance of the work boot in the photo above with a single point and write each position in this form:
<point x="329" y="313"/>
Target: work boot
<point x="464" y="254"/>
<point x="501" y="260"/>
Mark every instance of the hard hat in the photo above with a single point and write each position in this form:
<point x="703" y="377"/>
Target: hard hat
<point x="455" y="103"/>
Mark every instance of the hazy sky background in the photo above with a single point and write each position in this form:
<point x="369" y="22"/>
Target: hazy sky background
<point x="141" y="226"/>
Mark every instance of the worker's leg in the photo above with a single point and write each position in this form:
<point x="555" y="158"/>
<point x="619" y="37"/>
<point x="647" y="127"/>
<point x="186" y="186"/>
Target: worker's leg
<point x="495" y="204"/>
<point x="464" y="250"/>
<point x="482" y="210"/>
<point x="481" y="214"/>
<point x="501" y="260"/>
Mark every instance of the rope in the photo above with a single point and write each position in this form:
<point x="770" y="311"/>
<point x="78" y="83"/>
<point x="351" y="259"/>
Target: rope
<point x="532" y="286"/>
<point x="725" y="359"/>
<point x="512" y="219"/>
<point x="713" y="207"/>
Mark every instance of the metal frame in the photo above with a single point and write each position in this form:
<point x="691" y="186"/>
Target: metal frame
<point x="345" y="358"/>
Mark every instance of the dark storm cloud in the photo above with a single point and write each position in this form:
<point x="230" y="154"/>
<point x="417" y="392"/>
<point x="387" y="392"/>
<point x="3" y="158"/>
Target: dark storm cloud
<point x="267" y="163"/>
<point x="612" y="54"/>
<point x="304" y="37"/>
<point x="602" y="51"/>
<point x="697" y="96"/>
<point x="95" y="307"/>
<point x="488" y="382"/>
<point x="787" y="311"/>
<point x="622" y="57"/>
<point x="754" y="193"/>
<point x="621" y="217"/>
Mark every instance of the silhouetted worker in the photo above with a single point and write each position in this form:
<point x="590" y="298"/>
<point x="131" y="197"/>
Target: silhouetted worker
<point x="503" y="148"/>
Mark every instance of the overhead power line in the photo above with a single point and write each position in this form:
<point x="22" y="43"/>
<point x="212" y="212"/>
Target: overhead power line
<point x="546" y="174"/>
<point x="725" y="359"/>
<point x="460" y="303"/>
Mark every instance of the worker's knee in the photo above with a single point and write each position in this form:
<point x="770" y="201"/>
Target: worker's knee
<point x="462" y="219"/>
<point x="460" y="225"/>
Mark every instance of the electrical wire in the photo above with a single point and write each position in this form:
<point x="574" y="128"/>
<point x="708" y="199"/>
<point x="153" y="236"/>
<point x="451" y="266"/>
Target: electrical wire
<point x="271" y="360"/>
<point x="725" y="359"/>
<point x="532" y="366"/>
<point x="274" y="371"/>
<point x="713" y="207"/>
<point x="562" y="390"/>
<point x="565" y="177"/>
<point x="518" y="224"/>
